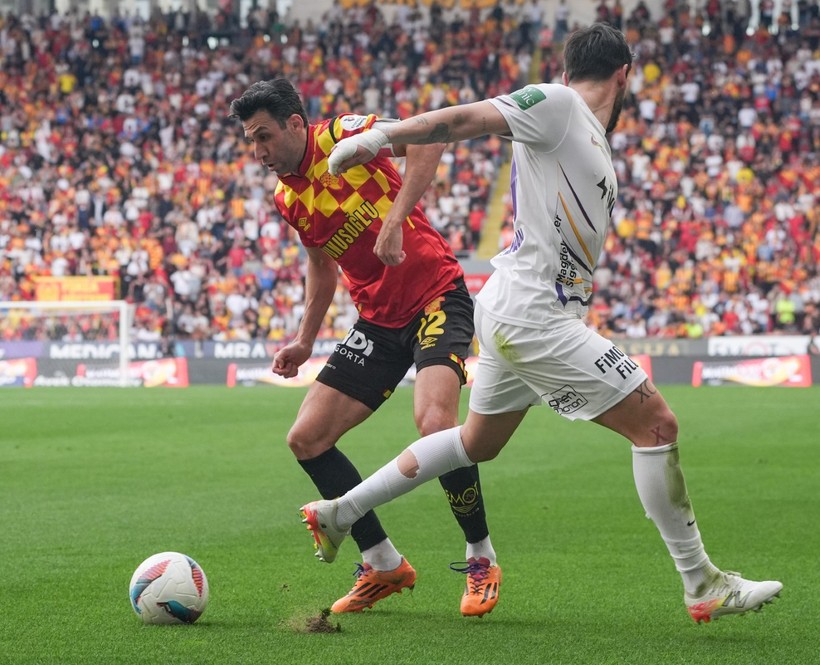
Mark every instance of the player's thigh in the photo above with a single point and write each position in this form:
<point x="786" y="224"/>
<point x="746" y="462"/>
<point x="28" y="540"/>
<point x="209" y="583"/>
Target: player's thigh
<point x="436" y="397"/>
<point x="440" y="337"/>
<point x="484" y="435"/>
<point x="643" y="417"/>
<point x="497" y="388"/>
<point x="442" y="333"/>
<point x="577" y="372"/>
<point x="367" y="364"/>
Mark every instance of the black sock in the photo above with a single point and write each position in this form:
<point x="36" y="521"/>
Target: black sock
<point x="463" y="490"/>
<point x="334" y="474"/>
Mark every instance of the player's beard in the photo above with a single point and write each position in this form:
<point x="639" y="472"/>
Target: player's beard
<point x="617" y="107"/>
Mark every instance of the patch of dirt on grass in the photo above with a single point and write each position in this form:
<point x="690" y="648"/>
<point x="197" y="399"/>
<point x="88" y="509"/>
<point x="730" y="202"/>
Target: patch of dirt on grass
<point x="320" y="624"/>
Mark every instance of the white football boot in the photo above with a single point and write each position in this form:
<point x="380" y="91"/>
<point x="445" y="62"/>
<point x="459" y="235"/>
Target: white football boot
<point x="728" y="593"/>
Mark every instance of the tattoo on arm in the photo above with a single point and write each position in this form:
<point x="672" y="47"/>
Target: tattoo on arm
<point x="646" y="390"/>
<point x="443" y="131"/>
<point x="439" y="134"/>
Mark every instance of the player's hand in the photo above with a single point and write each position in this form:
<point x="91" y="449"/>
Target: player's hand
<point x="288" y="359"/>
<point x="355" y="150"/>
<point x="388" y="245"/>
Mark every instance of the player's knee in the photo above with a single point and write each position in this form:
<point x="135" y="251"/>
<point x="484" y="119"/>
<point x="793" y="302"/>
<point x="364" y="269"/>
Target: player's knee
<point x="432" y="420"/>
<point x="477" y="455"/>
<point x="665" y="428"/>
<point x="298" y="447"/>
<point x="305" y="446"/>
<point x="670" y="424"/>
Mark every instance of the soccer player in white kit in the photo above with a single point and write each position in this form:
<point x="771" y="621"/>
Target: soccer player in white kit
<point x="534" y="344"/>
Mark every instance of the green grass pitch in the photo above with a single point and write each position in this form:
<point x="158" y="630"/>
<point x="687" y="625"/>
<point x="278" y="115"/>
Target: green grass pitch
<point x="92" y="481"/>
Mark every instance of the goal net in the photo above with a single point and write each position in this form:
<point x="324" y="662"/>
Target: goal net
<point x="52" y="339"/>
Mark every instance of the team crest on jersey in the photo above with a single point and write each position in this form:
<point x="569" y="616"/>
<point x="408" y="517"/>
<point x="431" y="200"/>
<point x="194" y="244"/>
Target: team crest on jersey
<point x="303" y="224"/>
<point x="528" y="97"/>
<point x="434" y="306"/>
<point x="352" y="122"/>
<point x="330" y="181"/>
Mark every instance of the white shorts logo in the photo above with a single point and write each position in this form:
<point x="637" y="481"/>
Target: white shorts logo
<point x="355" y="347"/>
<point x="566" y="400"/>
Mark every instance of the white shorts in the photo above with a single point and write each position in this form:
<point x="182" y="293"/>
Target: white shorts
<point x="568" y="366"/>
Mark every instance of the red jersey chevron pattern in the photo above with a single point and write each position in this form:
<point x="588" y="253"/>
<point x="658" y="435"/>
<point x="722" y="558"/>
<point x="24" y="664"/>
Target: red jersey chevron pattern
<point x="342" y="216"/>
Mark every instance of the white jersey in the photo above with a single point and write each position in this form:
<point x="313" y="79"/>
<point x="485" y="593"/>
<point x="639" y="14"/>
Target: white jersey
<point x="563" y="188"/>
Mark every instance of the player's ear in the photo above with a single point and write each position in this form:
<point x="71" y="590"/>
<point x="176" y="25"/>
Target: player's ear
<point x="296" y="122"/>
<point x="623" y="72"/>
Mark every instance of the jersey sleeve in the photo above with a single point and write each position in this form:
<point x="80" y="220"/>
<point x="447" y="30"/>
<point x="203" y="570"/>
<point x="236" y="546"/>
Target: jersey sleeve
<point x="350" y="124"/>
<point x="537" y="115"/>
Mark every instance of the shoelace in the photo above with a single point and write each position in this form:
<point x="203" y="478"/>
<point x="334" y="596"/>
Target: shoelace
<point x="360" y="570"/>
<point x="724" y="582"/>
<point x="475" y="570"/>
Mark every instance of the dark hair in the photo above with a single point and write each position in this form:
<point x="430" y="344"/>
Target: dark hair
<point x="595" y="53"/>
<point x="278" y="97"/>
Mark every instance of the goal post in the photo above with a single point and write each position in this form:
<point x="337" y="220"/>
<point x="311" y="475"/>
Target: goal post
<point x="42" y="320"/>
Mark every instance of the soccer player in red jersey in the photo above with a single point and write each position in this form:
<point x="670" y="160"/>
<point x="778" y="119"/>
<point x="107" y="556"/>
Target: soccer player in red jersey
<point x="413" y="308"/>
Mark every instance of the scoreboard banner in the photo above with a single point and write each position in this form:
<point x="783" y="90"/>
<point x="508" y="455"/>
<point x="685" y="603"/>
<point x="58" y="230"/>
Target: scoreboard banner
<point x="784" y="371"/>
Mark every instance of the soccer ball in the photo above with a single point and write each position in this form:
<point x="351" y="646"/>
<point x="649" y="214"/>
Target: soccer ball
<point x="169" y="587"/>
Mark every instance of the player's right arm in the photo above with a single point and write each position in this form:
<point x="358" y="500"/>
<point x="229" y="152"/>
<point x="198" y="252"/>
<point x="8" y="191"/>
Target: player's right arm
<point x="320" y="287"/>
<point x="454" y="123"/>
<point x="420" y="169"/>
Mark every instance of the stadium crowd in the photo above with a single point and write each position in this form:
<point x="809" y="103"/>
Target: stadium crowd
<point x="118" y="159"/>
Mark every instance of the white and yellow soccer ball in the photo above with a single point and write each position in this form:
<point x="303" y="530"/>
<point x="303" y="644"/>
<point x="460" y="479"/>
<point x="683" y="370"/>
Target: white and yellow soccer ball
<point x="167" y="588"/>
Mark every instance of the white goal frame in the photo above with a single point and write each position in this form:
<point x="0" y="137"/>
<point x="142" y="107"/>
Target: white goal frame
<point x="91" y="306"/>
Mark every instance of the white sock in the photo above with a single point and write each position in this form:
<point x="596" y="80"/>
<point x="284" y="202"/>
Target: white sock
<point x="662" y="490"/>
<point x="483" y="548"/>
<point x="382" y="556"/>
<point x="435" y="454"/>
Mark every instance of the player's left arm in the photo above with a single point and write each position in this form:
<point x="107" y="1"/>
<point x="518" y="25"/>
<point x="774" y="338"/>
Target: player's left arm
<point x="420" y="169"/>
<point x="454" y="123"/>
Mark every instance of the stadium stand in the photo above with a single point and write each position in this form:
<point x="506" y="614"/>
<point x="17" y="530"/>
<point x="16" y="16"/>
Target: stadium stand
<point x="117" y="159"/>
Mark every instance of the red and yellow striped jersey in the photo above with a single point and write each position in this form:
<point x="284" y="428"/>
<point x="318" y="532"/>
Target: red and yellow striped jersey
<point x="342" y="216"/>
